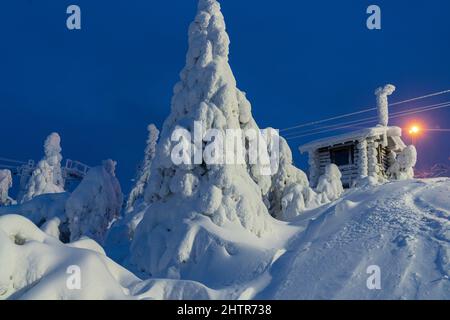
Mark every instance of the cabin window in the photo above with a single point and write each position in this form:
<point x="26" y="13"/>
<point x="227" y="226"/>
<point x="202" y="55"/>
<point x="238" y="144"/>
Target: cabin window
<point x="342" y="156"/>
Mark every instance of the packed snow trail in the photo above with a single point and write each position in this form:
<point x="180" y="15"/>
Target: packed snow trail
<point x="402" y="227"/>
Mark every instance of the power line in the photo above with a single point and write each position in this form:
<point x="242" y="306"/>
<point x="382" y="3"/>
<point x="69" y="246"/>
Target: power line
<point x="422" y="97"/>
<point x="368" y="121"/>
<point x="12" y="160"/>
<point x="7" y="166"/>
<point x="439" y="130"/>
<point x="363" y="111"/>
<point x="364" y="120"/>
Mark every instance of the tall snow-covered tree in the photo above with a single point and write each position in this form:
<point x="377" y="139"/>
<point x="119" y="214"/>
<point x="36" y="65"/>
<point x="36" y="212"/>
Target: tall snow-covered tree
<point x="181" y="194"/>
<point x="143" y="175"/>
<point x="95" y="203"/>
<point x="5" y="185"/>
<point x="47" y="176"/>
<point x="52" y="149"/>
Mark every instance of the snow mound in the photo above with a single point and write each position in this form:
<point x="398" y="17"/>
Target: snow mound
<point x="40" y="209"/>
<point x="401" y="227"/>
<point x="38" y="266"/>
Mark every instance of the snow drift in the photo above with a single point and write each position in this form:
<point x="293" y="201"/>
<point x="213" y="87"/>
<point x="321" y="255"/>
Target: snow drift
<point x="35" y="265"/>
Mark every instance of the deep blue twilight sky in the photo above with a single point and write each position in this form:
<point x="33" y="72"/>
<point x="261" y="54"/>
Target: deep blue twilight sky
<point x="298" y="61"/>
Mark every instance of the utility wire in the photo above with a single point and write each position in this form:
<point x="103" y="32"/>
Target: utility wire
<point x="363" y="111"/>
<point x="363" y="120"/>
<point x="12" y="160"/>
<point x="369" y="121"/>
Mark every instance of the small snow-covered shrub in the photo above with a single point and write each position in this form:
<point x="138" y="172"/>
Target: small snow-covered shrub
<point x="330" y="184"/>
<point x="5" y="185"/>
<point x="403" y="166"/>
<point x="290" y="193"/>
<point x="47" y="176"/>
<point x="95" y="203"/>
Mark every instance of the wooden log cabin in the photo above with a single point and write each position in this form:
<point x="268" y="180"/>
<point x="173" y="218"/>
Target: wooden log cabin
<point x="358" y="154"/>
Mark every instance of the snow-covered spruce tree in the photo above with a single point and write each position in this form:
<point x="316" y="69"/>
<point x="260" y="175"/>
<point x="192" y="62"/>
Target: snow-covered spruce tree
<point x="5" y="185"/>
<point x="330" y="185"/>
<point x="143" y="175"/>
<point x="47" y="176"/>
<point x="182" y="195"/>
<point x="95" y="203"/>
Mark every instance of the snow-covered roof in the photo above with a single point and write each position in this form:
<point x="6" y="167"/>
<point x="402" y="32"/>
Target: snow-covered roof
<point x="394" y="132"/>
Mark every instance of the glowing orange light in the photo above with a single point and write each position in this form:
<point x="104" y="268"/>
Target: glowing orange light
<point x="414" y="130"/>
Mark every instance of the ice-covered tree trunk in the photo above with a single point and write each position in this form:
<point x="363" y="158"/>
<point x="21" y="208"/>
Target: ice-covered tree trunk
<point x="143" y="176"/>
<point x="95" y="203"/>
<point x="47" y="176"/>
<point x="5" y="185"/>
<point x="181" y="194"/>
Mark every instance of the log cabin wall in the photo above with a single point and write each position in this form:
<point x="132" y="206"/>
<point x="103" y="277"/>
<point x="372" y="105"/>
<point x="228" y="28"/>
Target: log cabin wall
<point x="352" y="170"/>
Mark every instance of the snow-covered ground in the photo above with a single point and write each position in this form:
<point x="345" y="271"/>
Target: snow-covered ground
<point x="401" y="227"/>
